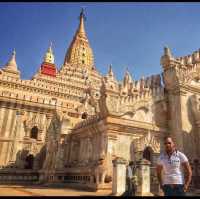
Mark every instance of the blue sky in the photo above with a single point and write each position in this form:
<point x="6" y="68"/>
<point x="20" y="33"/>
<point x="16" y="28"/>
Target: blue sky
<point x="122" y="34"/>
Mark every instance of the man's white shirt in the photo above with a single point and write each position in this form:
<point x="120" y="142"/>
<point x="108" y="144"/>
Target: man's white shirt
<point x="130" y="172"/>
<point x="172" y="169"/>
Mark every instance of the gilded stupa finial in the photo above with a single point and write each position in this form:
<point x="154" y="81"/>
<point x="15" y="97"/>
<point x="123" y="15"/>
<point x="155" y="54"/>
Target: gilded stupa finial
<point x="49" y="56"/>
<point x="82" y="14"/>
<point x="81" y="29"/>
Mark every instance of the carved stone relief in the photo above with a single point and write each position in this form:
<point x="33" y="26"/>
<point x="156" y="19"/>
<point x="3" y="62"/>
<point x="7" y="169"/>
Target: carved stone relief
<point x="148" y="140"/>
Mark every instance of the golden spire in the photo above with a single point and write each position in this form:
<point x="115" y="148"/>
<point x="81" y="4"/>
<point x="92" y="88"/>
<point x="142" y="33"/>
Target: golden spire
<point x="79" y="52"/>
<point x="81" y="29"/>
<point x="49" y="56"/>
<point x="11" y="64"/>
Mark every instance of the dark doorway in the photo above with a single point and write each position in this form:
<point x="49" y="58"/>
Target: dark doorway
<point x="147" y="153"/>
<point x="29" y="162"/>
<point x="34" y="132"/>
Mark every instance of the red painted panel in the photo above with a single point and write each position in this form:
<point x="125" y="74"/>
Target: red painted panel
<point x="48" y="69"/>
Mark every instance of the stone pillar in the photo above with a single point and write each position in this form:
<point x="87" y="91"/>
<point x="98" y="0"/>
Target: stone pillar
<point x="41" y="176"/>
<point x="16" y="135"/>
<point x="143" y="175"/>
<point x="40" y="135"/>
<point x="119" y="176"/>
<point x="8" y="122"/>
<point x="27" y="133"/>
<point x="91" y="179"/>
<point x="48" y="123"/>
<point x="66" y="150"/>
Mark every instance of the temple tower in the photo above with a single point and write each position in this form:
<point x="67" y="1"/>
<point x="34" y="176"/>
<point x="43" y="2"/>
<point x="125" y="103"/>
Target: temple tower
<point x="11" y="68"/>
<point x="181" y="79"/>
<point x="173" y="95"/>
<point x="48" y="66"/>
<point x="79" y="52"/>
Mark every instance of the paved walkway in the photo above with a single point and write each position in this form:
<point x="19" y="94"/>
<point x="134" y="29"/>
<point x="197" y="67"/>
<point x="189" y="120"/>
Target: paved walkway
<point x="33" y="190"/>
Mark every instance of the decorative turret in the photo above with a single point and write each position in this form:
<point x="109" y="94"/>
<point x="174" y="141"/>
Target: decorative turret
<point x="109" y="81"/>
<point x="79" y="52"/>
<point x="167" y="52"/>
<point x="110" y="71"/>
<point x="110" y="74"/>
<point x="11" y="66"/>
<point x="127" y="78"/>
<point x="166" y="58"/>
<point x="142" y="83"/>
<point x="48" y="67"/>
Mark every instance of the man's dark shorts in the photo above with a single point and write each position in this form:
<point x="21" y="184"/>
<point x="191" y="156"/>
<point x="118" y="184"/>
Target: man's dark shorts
<point x="173" y="190"/>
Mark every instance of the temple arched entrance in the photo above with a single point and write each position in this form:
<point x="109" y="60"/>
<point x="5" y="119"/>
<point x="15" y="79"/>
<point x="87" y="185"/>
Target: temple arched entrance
<point x="148" y="147"/>
<point x="148" y="154"/>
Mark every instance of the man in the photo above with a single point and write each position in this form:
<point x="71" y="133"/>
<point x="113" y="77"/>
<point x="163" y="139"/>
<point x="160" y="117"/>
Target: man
<point x="175" y="168"/>
<point x="134" y="179"/>
<point x="130" y="188"/>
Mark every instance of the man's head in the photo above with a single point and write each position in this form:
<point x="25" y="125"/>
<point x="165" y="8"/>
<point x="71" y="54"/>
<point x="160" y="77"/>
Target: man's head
<point x="169" y="144"/>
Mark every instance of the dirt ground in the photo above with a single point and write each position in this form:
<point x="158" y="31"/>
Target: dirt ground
<point x="61" y="190"/>
<point x="34" y="190"/>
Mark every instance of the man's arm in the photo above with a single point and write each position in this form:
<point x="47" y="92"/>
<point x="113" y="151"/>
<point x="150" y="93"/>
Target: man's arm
<point x="187" y="175"/>
<point x="159" y="174"/>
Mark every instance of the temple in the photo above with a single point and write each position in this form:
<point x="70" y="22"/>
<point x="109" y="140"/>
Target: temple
<point x="69" y="124"/>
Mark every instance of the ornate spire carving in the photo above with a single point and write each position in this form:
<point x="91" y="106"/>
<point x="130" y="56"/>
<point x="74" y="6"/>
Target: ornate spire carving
<point x="49" y="56"/>
<point x="79" y="52"/>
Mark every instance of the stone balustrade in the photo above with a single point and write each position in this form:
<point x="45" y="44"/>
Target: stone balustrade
<point x="13" y="177"/>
